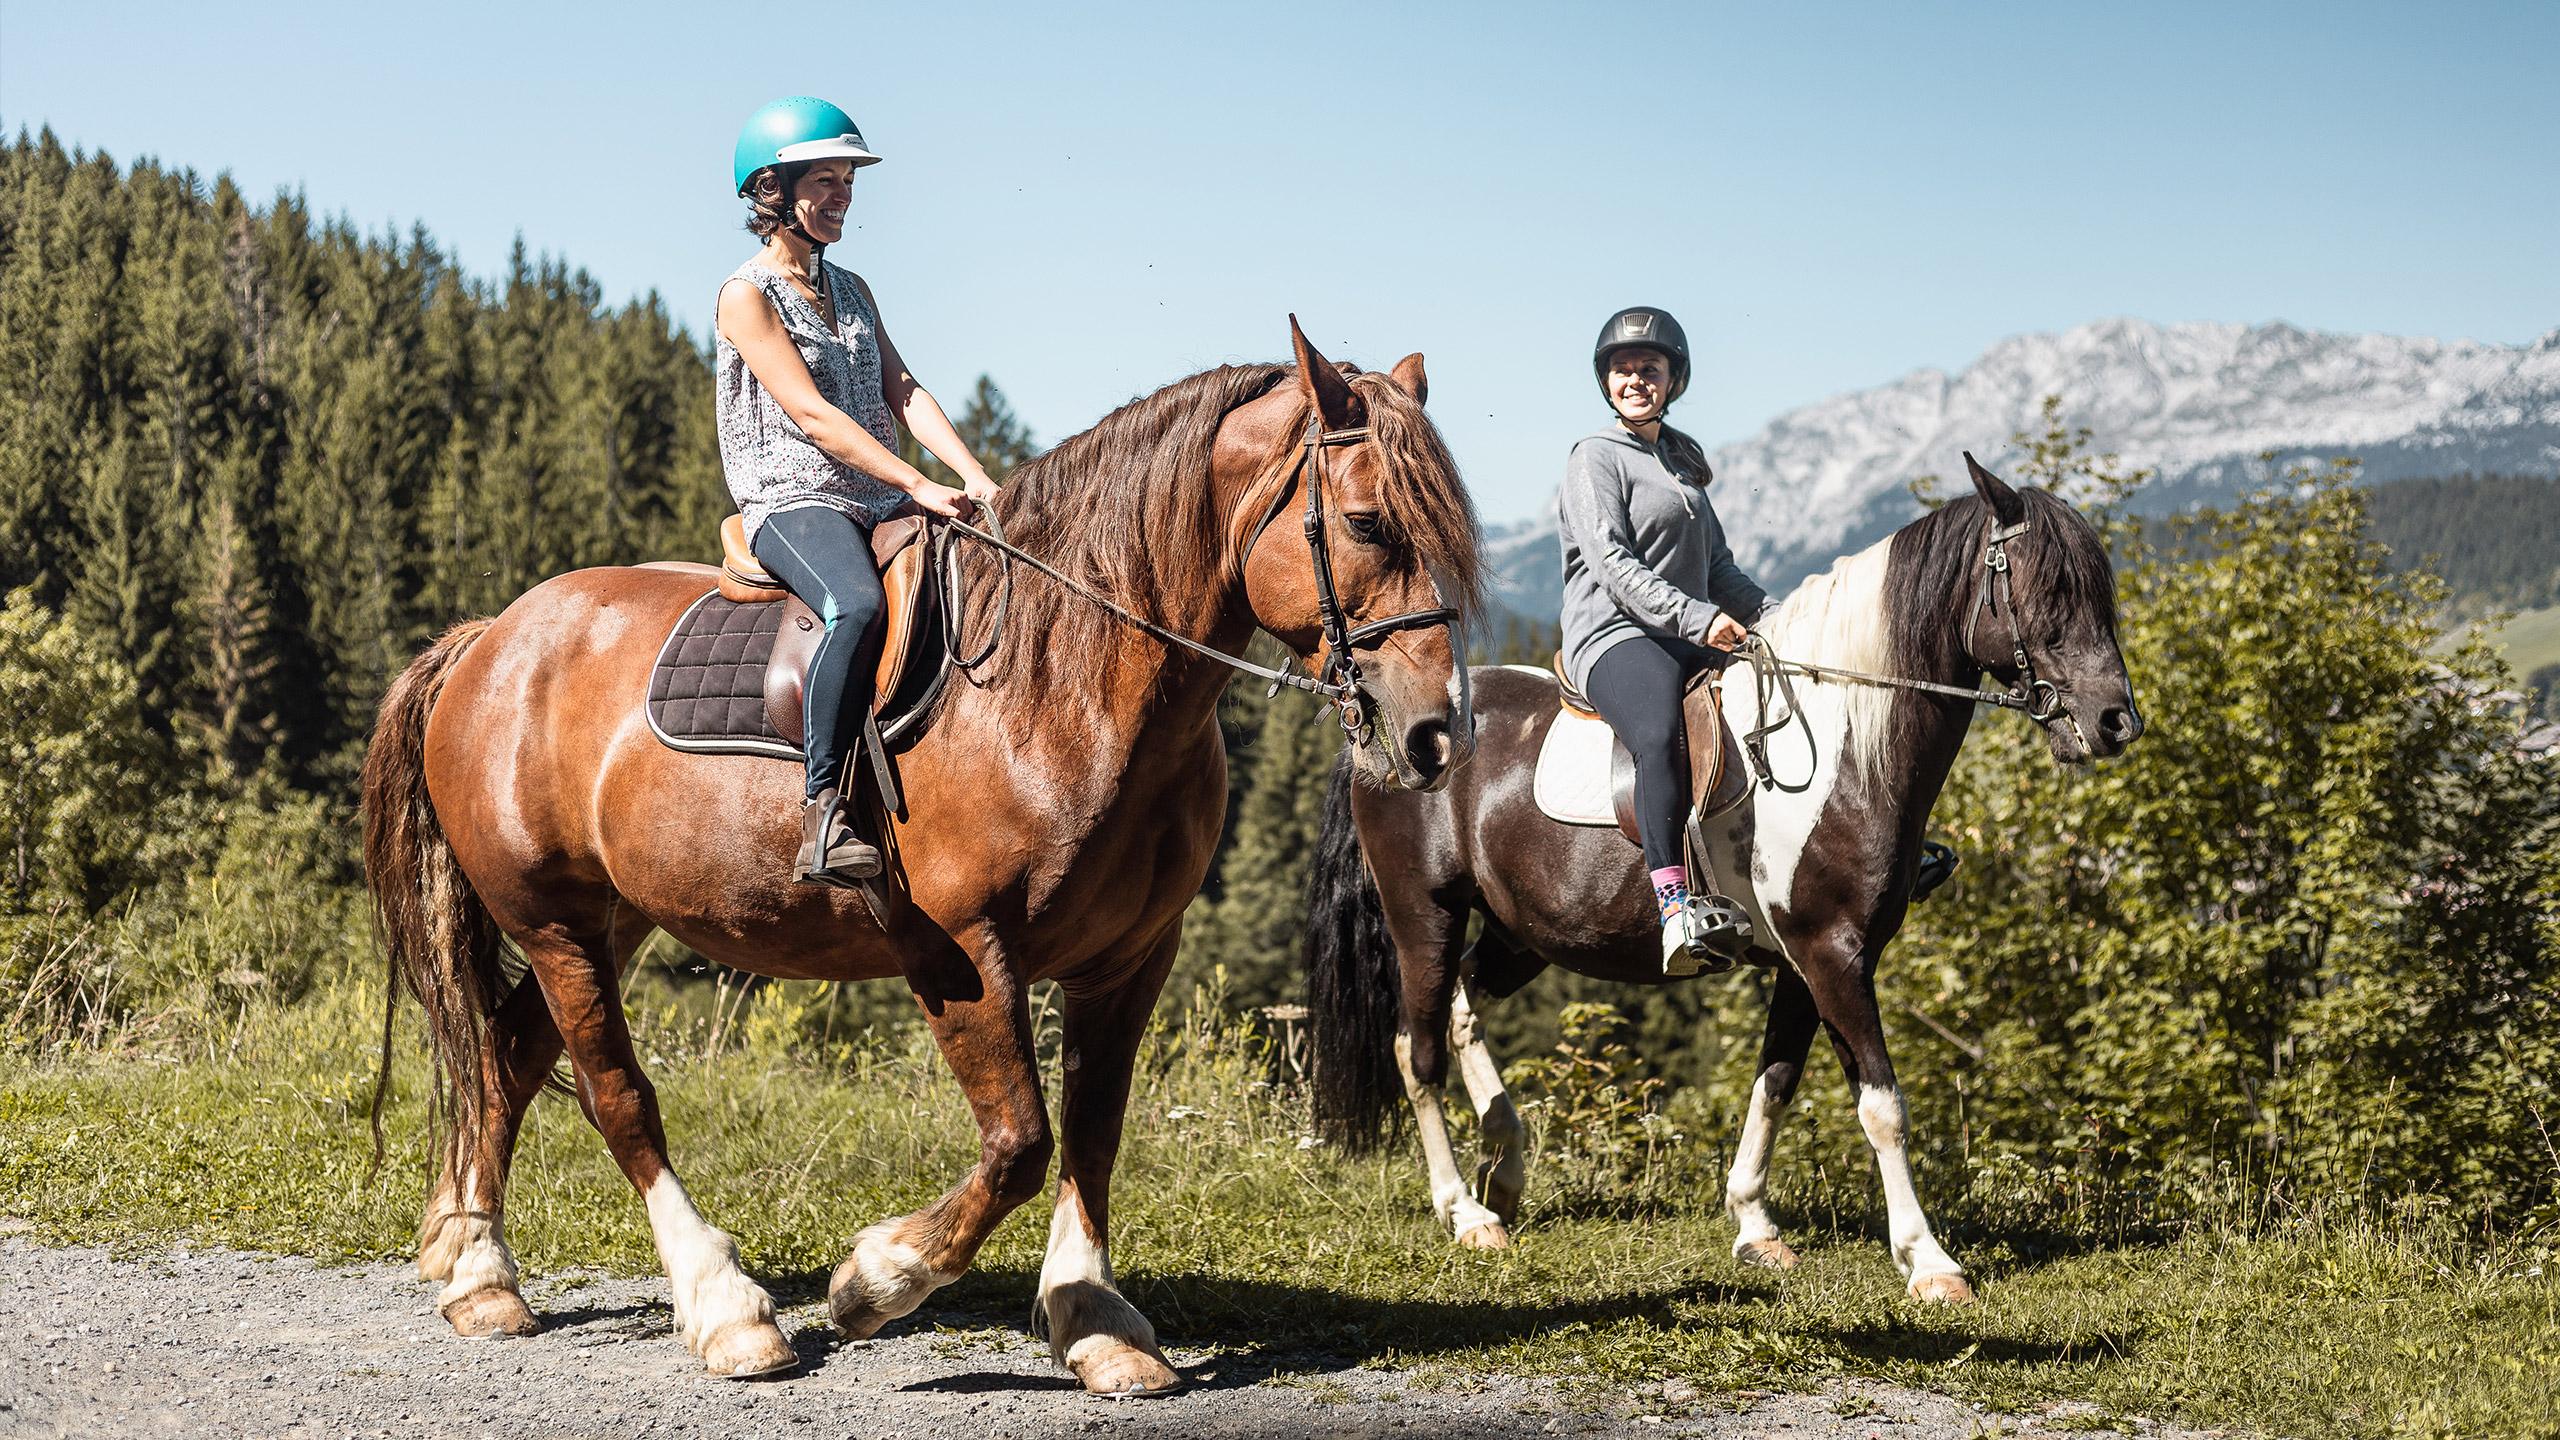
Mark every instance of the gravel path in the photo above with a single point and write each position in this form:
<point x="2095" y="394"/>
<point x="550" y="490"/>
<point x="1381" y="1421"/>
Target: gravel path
<point x="216" y="1342"/>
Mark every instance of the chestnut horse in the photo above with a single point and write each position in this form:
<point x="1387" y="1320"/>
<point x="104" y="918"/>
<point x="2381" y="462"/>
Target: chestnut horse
<point x="2012" y="583"/>
<point x="1062" y="809"/>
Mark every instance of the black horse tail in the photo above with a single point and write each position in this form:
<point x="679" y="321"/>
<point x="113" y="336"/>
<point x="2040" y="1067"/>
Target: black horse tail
<point x="1355" y="994"/>
<point x="442" y="944"/>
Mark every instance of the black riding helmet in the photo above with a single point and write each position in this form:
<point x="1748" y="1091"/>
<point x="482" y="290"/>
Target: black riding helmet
<point x="1642" y="326"/>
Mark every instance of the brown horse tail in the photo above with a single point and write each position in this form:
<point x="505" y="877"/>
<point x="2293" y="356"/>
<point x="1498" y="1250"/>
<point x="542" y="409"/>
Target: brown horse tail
<point x="1355" y="992"/>
<point x="440" y="941"/>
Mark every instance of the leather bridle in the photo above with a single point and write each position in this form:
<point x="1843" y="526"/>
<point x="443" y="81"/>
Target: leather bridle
<point x="1338" y="673"/>
<point x="1337" y="678"/>
<point x="2039" y="699"/>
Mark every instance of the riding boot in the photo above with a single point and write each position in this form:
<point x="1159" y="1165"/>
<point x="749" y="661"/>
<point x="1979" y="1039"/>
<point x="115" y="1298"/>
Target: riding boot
<point x="830" y="853"/>
<point x="1937" y="865"/>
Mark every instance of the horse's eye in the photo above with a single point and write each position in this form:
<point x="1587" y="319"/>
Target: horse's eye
<point x="1362" y="525"/>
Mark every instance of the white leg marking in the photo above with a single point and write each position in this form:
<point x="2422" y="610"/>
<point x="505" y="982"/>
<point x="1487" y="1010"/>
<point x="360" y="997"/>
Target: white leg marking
<point x="1450" y="1198"/>
<point x="711" y="1293"/>
<point x="1501" y="1171"/>
<point x="1080" y="1301"/>
<point x="1915" y="1250"/>
<point x="478" y="1238"/>
<point x="890" y="1273"/>
<point x="1746" y="1189"/>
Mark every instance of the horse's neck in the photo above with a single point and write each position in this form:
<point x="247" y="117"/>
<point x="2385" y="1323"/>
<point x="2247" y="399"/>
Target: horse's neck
<point x="1923" y="733"/>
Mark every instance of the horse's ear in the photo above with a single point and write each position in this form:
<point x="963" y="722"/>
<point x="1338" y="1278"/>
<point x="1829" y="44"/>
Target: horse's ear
<point x="1410" y="379"/>
<point x="1324" y="386"/>
<point x="2005" y="503"/>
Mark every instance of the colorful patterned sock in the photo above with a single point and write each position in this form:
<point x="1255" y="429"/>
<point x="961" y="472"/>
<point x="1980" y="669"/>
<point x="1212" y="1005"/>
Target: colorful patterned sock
<point x="1670" y="891"/>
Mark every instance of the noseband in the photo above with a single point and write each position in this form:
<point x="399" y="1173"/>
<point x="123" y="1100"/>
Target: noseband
<point x="1338" y="676"/>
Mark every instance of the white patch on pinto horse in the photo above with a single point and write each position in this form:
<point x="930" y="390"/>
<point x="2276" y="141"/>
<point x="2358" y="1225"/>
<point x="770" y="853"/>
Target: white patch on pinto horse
<point x="711" y="1294"/>
<point x="1915" y="1250"/>
<point x="1835" y="618"/>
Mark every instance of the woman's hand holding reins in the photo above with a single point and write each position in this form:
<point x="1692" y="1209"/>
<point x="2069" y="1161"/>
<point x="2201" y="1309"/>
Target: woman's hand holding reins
<point x="1725" y="632"/>
<point x="943" y="502"/>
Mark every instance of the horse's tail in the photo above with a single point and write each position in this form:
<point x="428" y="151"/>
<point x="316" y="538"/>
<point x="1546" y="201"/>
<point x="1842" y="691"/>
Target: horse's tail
<point x="440" y="941"/>
<point x="1355" y="993"/>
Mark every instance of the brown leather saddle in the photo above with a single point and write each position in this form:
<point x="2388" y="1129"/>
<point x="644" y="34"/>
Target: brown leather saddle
<point x="730" y="676"/>
<point x="1718" y="779"/>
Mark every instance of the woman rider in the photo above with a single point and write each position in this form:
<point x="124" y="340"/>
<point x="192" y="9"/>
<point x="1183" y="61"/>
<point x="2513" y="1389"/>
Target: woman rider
<point x="810" y="393"/>
<point x="1650" y="587"/>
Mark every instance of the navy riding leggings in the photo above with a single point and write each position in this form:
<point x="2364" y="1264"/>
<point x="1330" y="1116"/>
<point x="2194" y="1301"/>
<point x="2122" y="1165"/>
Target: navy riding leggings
<point x="824" y="557"/>
<point x="1637" y="685"/>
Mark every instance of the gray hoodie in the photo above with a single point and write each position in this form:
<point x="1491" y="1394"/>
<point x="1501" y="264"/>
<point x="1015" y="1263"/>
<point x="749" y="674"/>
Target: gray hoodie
<point x="1643" y="552"/>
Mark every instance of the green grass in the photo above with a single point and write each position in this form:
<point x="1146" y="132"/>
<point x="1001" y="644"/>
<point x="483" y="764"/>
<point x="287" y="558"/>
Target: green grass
<point x="2529" y="641"/>
<point x="1232" y="1236"/>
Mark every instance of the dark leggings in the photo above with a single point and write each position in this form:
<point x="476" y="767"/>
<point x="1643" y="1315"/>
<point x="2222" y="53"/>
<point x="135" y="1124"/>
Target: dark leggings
<point x="1637" y="686"/>
<point x="824" y="557"/>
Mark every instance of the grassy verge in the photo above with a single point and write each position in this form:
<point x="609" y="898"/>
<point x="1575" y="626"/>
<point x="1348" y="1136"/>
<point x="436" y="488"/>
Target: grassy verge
<point x="1235" y="1236"/>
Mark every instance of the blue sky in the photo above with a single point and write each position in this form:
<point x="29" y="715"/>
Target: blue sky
<point x="1088" y="201"/>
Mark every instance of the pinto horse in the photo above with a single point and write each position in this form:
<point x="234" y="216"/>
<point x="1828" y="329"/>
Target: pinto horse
<point x="1061" y="811"/>
<point x="2011" y="583"/>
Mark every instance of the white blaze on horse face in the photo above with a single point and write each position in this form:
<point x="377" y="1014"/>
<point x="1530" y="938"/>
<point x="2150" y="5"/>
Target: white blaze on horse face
<point x="1915" y="1250"/>
<point x="478" y="1235"/>
<point x="1746" y="1189"/>
<point x="711" y="1293"/>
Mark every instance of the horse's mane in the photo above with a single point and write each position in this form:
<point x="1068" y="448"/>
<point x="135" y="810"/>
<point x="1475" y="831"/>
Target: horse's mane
<point x="1125" y="507"/>
<point x="1890" y="608"/>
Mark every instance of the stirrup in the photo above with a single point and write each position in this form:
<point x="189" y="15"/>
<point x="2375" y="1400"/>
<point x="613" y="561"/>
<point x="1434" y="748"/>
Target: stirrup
<point x="1709" y="935"/>
<point x="1937" y="866"/>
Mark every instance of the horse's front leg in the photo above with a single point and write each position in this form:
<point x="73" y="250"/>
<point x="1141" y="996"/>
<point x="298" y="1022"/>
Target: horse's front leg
<point x="1844" y="990"/>
<point x="1783" y="1042"/>
<point x="723" y="1317"/>
<point x="1092" y="1329"/>
<point x="1475" y="1226"/>
<point x="1501" y="1172"/>
<point x="985" y="1036"/>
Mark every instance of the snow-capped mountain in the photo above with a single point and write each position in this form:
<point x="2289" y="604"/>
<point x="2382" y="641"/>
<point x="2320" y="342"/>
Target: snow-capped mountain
<point x="2199" y="403"/>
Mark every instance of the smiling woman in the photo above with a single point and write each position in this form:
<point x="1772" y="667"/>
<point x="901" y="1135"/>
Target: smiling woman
<point x="811" y="393"/>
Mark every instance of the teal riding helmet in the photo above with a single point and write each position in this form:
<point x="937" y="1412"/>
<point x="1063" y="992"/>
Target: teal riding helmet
<point x="798" y="127"/>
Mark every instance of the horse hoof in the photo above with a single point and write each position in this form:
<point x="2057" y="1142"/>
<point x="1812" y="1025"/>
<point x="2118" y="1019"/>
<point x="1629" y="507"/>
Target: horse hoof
<point x="1941" y="1290"/>
<point x="485" y="1313"/>
<point x="1488" y="1236"/>
<point x="855" y="1317"/>
<point x="1767" y="1254"/>
<point x="745" y="1351"/>
<point x="1124" y="1370"/>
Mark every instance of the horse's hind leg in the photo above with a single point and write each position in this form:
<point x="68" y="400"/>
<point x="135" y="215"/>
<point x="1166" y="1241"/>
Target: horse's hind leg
<point x="1788" y="1034"/>
<point x="462" y="1241"/>
<point x="723" y="1317"/>
<point x="1092" y="1329"/>
<point x="986" y="1040"/>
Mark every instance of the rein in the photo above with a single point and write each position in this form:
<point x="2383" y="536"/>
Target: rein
<point x="1337" y="679"/>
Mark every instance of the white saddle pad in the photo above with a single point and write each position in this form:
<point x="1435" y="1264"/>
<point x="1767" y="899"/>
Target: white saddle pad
<point x="1572" y="783"/>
